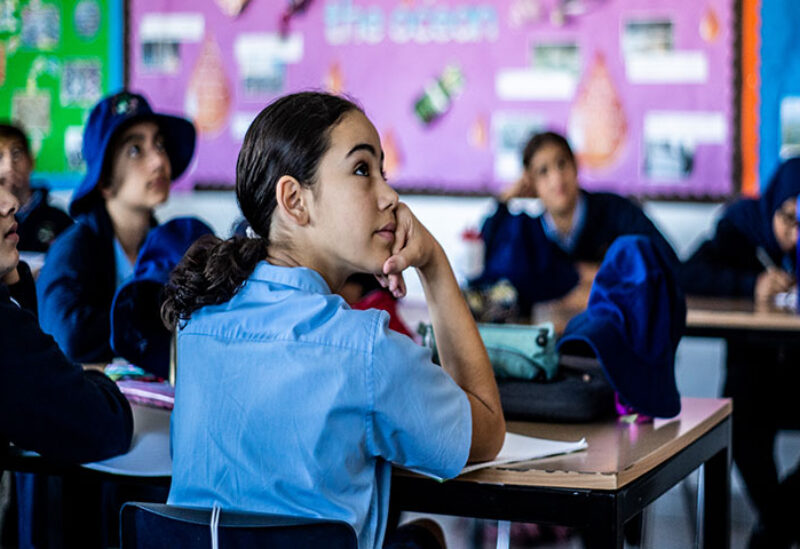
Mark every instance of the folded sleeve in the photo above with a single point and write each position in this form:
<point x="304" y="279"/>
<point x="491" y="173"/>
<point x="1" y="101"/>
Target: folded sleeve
<point x="74" y="305"/>
<point x="420" y="418"/>
<point x="49" y="404"/>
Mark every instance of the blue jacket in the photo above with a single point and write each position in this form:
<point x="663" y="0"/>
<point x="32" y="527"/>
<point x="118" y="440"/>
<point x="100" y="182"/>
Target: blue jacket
<point x="49" y="404"/>
<point x="518" y="249"/>
<point x="76" y="287"/>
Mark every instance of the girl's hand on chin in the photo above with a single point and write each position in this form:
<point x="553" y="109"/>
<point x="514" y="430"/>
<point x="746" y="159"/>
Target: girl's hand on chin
<point x="413" y="247"/>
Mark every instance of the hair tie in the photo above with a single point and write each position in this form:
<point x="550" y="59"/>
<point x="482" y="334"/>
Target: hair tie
<point x="250" y="233"/>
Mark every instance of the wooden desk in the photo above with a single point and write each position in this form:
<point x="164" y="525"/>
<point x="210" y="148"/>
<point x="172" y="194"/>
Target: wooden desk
<point x="625" y="468"/>
<point x="728" y="317"/>
<point x="705" y="317"/>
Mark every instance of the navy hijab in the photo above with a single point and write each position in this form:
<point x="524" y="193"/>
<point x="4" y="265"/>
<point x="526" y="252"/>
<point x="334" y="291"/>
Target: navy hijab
<point x="753" y="217"/>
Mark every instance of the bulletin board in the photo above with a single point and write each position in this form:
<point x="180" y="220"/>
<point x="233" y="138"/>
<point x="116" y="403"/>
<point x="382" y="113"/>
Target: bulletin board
<point x="780" y="85"/>
<point x="642" y="88"/>
<point x="57" y="58"/>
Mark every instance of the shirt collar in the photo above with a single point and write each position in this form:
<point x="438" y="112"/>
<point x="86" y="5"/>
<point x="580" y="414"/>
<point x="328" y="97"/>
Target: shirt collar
<point x="566" y="241"/>
<point x="301" y="278"/>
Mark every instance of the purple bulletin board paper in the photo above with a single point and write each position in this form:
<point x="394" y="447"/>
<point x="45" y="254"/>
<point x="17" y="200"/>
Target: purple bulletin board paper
<point x="387" y="73"/>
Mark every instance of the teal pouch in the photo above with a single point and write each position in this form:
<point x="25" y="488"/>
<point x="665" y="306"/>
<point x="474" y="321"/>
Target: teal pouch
<point x="516" y="351"/>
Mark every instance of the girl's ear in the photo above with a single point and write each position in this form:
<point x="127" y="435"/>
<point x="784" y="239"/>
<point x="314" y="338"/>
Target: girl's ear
<point x="292" y="200"/>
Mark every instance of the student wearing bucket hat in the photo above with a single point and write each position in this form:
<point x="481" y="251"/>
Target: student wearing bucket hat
<point x="132" y="154"/>
<point x="555" y="255"/>
<point x="752" y="254"/>
<point x="633" y="324"/>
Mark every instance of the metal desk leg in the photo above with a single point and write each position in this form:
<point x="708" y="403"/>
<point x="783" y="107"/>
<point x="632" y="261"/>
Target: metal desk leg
<point x="717" y="492"/>
<point x="606" y="530"/>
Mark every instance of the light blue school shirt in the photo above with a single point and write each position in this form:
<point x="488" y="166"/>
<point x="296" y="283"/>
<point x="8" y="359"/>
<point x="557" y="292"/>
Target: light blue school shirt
<point x="287" y="401"/>
<point x="566" y="241"/>
<point x="124" y="267"/>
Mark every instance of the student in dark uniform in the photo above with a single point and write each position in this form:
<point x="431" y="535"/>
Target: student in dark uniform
<point x="752" y="254"/>
<point x="39" y="222"/>
<point x="132" y="155"/>
<point x="556" y="254"/>
<point x="48" y="403"/>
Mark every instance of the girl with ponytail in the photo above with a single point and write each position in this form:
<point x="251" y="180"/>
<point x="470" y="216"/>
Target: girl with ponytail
<point x="287" y="400"/>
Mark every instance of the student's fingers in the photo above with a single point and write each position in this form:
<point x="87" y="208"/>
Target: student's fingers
<point x="397" y="285"/>
<point x="397" y="263"/>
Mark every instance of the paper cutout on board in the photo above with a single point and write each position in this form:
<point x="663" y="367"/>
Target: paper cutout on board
<point x="32" y="111"/>
<point x="81" y="83"/>
<point x="709" y="25"/>
<point x="525" y="12"/>
<point x="597" y="125"/>
<point x="670" y="140"/>
<point x="262" y="58"/>
<point x="8" y="21"/>
<point x="392" y="157"/>
<point x="479" y="133"/>
<point x="161" y="35"/>
<point x="438" y="95"/>
<point x="334" y="79"/>
<point x="231" y="8"/>
<point x="41" y="26"/>
<point x="295" y="8"/>
<point x="208" y="97"/>
<point x="2" y="63"/>
<point x="87" y="19"/>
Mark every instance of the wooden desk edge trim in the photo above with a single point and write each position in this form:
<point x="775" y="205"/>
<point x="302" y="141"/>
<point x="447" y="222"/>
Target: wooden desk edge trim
<point x="765" y="321"/>
<point x="598" y="480"/>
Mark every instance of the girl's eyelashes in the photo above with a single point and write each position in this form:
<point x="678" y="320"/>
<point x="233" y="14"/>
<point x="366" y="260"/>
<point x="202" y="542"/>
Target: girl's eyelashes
<point x="133" y="151"/>
<point x="362" y="169"/>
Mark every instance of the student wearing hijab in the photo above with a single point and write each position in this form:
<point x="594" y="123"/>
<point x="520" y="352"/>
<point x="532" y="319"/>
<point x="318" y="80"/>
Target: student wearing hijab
<point x="556" y="254"/>
<point x="752" y="254"/>
<point x="132" y="156"/>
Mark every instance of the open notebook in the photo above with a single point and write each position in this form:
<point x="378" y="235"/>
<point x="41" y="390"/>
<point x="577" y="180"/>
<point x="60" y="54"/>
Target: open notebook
<point x="521" y="448"/>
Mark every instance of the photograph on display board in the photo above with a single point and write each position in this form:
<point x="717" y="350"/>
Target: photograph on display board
<point x="456" y="87"/>
<point x="56" y="60"/>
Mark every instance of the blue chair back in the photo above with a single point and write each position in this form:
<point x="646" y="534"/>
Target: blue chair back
<point x="157" y="526"/>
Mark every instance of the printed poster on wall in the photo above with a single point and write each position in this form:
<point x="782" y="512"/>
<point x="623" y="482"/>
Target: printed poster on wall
<point x="56" y="60"/>
<point x="642" y="89"/>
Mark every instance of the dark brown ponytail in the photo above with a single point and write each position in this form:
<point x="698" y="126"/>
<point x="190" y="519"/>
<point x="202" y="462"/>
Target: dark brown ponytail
<point x="211" y="272"/>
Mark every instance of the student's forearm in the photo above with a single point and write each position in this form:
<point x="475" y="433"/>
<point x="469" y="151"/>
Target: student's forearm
<point x="463" y="355"/>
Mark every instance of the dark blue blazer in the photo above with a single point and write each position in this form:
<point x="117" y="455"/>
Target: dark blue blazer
<point x="518" y="249"/>
<point x="49" y="404"/>
<point x="76" y="287"/>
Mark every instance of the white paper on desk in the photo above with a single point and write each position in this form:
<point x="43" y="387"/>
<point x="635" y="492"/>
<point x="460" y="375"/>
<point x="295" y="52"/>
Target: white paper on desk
<point x="522" y="448"/>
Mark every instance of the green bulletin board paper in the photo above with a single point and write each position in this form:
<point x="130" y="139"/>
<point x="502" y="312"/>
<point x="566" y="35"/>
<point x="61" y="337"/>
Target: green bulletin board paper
<point x="56" y="60"/>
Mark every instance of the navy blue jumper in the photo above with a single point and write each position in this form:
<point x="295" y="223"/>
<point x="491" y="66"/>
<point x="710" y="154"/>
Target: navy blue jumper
<point x="518" y="249"/>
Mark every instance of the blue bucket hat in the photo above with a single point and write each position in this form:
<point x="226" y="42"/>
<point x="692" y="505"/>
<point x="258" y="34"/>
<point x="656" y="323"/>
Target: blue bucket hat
<point x="110" y="116"/>
<point x="137" y="333"/>
<point x="633" y="323"/>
